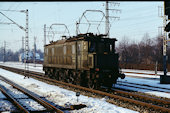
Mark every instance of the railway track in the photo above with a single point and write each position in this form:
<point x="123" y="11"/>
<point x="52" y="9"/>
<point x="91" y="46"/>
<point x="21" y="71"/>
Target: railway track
<point x="25" y="100"/>
<point x="141" y="73"/>
<point x="142" y="86"/>
<point x="145" y="102"/>
<point x="147" y="75"/>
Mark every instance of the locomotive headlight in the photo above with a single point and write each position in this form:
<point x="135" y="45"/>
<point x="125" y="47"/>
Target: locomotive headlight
<point x="97" y="76"/>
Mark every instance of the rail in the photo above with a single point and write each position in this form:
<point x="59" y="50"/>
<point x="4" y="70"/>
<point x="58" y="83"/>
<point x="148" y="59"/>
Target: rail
<point x="142" y="102"/>
<point x="29" y="94"/>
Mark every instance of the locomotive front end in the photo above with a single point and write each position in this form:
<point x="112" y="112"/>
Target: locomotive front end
<point x="105" y="61"/>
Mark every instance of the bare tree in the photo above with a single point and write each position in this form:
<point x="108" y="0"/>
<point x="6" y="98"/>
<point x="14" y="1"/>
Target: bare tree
<point x="146" y="49"/>
<point x="123" y="49"/>
<point x="133" y="53"/>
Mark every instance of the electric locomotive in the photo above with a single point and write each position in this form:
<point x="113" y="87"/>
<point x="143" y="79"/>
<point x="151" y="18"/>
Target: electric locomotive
<point x="86" y="59"/>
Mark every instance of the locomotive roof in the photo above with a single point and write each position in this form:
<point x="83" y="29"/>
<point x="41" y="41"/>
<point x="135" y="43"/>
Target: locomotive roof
<point x="87" y="36"/>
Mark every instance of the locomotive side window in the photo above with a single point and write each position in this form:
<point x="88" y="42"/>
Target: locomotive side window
<point x="79" y="48"/>
<point x="73" y="49"/>
<point x="64" y="50"/>
<point x="68" y="50"/>
<point x="56" y="51"/>
<point x="47" y="51"/>
<point x="52" y="51"/>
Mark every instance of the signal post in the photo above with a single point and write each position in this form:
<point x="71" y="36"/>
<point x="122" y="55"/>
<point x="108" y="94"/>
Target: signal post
<point x="165" y="79"/>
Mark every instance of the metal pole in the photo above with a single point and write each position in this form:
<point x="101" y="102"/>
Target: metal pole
<point x="26" y="46"/>
<point x="22" y="53"/>
<point x="164" y="79"/>
<point x="34" y="51"/>
<point x="164" y="48"/>
<point x="77" y="28"/>
<point x="156" y="67"/>
<point x="44" y="34"/>
<point x="4" y="50"/>
<point x="22" y="44"/>
<point x="107" y="20"/>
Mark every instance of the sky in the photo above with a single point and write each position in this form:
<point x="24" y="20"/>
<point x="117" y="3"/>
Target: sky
<point x="136" y="19"/>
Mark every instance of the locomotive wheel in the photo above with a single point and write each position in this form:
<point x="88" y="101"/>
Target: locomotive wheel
<point x="46" y="71"/>
<point x="63" y="76"/>
<point x="60" y="77"/>
<point x="74" y="78"/>
<point x="56" y="75"/>
<point x="66" y="76"/>
<point x="78" y="79"/>
<point x="91" y="84"/>
<point x="71" y="78"/>
<point x="49" y="74"/>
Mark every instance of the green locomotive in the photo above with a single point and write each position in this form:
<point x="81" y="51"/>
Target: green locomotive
<point x="86" y="59"/>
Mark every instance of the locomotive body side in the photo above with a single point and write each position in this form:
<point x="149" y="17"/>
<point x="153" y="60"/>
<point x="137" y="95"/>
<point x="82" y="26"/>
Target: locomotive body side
<point x="63" y="55"/>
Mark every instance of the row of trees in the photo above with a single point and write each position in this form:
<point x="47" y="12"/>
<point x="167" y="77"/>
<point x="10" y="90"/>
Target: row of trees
<point x="147" y="51"/>
<point x="14" y="56"/>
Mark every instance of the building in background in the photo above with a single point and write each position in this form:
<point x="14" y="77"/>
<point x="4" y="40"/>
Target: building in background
<point x="30" y="58"/>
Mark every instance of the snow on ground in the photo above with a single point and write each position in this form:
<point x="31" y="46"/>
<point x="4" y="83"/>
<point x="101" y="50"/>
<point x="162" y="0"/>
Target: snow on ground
<point x="5" y="105"/>
<point x="1" y="95"/>
<point x="147" y="82"/>
<point x="154" y="82"/>
<point x="20" y="65"/>
<point x="142" y="71"/>
<point x="146" y="72"/>
<point x="62" y="96"/>
<point x="143" y="75"/>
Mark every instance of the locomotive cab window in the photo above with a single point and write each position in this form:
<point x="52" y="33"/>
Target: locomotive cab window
<point x="110" y="48"/>
<point x="101" y="47"/>
<point x="92" y="47"/>
<point x="107" y="48"/>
